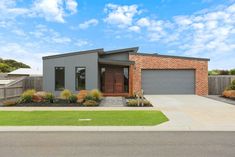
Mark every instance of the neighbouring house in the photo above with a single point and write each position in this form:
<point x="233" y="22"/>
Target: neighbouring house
<point x="25" y="72"/>
<point x="14" y="83"/>
<point x="123" y="72"/>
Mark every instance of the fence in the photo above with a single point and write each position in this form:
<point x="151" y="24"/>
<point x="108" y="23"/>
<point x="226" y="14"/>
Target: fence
<point x="217" y="84"/>
<point x="17" y="87"/>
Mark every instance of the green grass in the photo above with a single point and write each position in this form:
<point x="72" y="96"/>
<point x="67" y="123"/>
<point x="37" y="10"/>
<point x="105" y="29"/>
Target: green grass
<point x="71" y="118"/>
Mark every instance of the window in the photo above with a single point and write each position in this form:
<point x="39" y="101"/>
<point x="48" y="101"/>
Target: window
<point x="59" y="78"/>
<point x="126" y="79"/>
<point x="80" y="78"/>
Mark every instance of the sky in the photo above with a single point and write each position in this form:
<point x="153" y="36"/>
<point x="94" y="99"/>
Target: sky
<point x="30" y="29"/>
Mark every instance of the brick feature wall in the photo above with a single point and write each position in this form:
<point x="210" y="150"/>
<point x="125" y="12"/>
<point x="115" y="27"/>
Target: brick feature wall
<point x="161" y="62"/>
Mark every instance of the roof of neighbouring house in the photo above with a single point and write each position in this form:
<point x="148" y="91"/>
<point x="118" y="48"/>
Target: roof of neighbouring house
<point x="5" y="82"/>
<point x="26" y="71"/>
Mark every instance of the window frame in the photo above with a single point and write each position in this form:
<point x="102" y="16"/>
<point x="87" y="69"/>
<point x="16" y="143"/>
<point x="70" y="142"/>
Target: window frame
<point x="76" y="83"/>
<point x="58" y="89"/>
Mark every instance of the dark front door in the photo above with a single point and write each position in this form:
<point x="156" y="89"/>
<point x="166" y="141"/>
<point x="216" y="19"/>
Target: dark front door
<point x="113" y="80"/>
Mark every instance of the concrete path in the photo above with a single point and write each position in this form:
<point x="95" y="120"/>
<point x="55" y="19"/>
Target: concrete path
<point x="194" y="112"/>
<point x="113" y="102"/>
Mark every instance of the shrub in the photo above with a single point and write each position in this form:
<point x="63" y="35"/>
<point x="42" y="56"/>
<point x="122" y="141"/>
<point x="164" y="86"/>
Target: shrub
<point x="37" y="98"/>
<point x="96" y="94"/>
<point x="65" y="94"/>
<point x="82" y="95"/>
<point x="232" y="72"/>
<point x="147" y="103"/>
<point x="9" y="103"/>
<point x="226" y="93"/>
<point x="27" y="96"/>
<point x="72" y="99"/>
<point x="29" y="92"/>
<point x="232" y="95"/>
<point x="49" y="97"/>
<point x="90" y="97"/>
<point x="41" y="94"/>
<point x="90" y="103"/>
<point x="229" y="93"/>
<point x="233" y="82"/>
<point x="231" y="87"/>
<point x="134" y="103"/>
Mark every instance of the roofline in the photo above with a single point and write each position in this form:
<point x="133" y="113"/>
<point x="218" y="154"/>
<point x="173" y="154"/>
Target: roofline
<point x="171" y="56"/>
<point x="74" y="53"/>
<point x="131" y="49"/>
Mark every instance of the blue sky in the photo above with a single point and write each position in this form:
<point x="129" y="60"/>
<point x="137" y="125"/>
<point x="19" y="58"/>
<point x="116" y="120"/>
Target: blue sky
<point x="30" y="29"/>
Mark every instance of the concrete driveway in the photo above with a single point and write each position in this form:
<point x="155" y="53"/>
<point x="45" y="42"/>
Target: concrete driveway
<point x="191" y="112"/>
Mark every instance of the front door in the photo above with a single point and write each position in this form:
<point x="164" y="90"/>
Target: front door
<point x="113" y="80"/>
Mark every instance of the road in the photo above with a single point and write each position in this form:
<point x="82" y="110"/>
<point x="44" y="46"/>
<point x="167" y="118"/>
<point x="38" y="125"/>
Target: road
<point x="117" y="144"/>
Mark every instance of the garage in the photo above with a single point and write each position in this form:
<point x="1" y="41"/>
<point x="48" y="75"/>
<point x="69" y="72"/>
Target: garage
<point x="168" y="81"/>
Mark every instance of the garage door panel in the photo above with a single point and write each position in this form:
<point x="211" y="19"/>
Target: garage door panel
<point x="168" y="81"/>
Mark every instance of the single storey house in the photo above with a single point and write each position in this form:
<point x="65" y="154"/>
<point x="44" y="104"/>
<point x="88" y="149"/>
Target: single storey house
<point x="123" y="72"/>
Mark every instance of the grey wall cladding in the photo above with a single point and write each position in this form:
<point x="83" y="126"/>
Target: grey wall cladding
<point x="89" y="60"/>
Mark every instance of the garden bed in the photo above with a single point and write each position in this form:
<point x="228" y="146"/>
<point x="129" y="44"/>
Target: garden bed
<point x="229" y="98"/>
<point x="31" y="98"/>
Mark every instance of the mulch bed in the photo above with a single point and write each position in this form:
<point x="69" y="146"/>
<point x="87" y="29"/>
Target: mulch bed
<point x="57" y="103"/>
<point x="227" y="98"/>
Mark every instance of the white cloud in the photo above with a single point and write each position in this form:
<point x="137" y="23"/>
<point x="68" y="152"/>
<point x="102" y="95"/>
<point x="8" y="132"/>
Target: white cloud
<point x="9" y="10"/>
<point x="86" y="24"/>
<point x="19" y="32"/>
<point x="81" y="43"/>
<point x="48" y="35"/>
<point x="71" y="5"/>
<point x="120" y="15"/>
<point x="143" y="22"/>
<point x="182" y="20"/>
<point x="134" y="28"/>
<point x="51" y="10"/>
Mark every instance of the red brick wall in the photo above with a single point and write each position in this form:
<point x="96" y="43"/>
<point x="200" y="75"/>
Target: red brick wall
<point x="159" y="62"/>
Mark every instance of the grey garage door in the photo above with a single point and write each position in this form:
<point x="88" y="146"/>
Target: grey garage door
<point x="168" y="81"/>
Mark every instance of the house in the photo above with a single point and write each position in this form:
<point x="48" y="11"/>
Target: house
<point x="25" y="72"/>
<point x="125" y="71"/>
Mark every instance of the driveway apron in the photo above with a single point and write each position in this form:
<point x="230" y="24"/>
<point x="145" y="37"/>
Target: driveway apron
<point x="194" y="112"/>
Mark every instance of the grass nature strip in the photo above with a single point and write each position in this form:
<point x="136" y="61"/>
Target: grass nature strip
<point x="81" y="118"/>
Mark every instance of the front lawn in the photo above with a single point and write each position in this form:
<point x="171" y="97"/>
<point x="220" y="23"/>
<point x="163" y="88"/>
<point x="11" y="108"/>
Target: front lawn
<point x="81" y="118"/>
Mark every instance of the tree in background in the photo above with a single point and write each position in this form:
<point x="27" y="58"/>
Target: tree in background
<point x="232" y="72"/>
<point x="222" y="72"/>
<point x="9" y="65"/>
